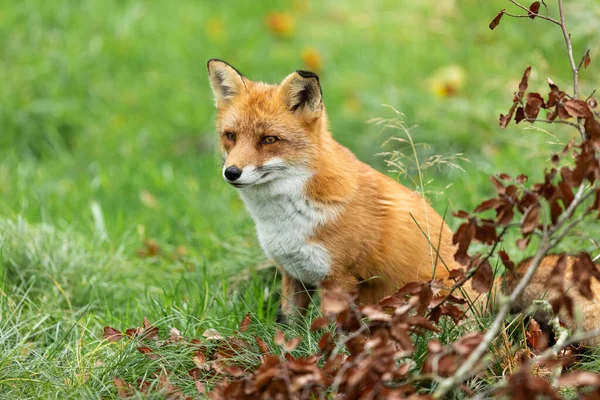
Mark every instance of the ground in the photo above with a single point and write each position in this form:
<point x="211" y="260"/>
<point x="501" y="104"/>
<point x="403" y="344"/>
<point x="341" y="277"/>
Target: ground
<point x="112" y="205"/>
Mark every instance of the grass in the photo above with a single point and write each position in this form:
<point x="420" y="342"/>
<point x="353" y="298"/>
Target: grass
<point x="107" y="142"/>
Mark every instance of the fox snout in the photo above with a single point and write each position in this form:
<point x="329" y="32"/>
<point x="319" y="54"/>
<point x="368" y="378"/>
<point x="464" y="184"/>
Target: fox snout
<point x="232" y="173"/>
<point x="245" y="176"/>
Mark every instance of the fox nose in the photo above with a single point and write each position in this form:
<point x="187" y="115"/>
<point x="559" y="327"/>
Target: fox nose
<point x="232" y="173"/>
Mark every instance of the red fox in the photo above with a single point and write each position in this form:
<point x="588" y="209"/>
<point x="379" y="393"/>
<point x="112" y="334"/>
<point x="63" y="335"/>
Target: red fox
<point x="320" y="213"/>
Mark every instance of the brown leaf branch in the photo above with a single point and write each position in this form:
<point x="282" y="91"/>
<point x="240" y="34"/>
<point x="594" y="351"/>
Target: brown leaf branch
<point x="549" y="239"/>
<point x="469" y="274"/>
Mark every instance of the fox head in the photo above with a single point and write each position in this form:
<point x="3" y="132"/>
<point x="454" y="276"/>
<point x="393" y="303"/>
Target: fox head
<point x="267" y="132"/>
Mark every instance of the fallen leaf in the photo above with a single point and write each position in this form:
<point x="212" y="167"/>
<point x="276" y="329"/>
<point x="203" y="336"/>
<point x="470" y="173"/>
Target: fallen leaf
<point x="212" y="334"/>
<point x="124" y="389"/>
<point x="175" y="335"/>
<point x="262" y="346"/>
<point x="147" y="351"/>
<point x="200" y="387"/>
<point x="111" y="334"/>
<point x="319" y="323"/>
<point x="199" y="360"/>
<point x="291" y="344"/>
<point x="245" y="323"/>
<point x="279" y="337"/>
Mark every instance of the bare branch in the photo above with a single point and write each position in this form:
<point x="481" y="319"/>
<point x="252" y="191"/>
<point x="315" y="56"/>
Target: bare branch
<point x="528" y="16"/>
<point x="569" y="50"/>
<point x="591" y="95"/>
<point x="529" y="13"/>
<point x="547" y="121"/>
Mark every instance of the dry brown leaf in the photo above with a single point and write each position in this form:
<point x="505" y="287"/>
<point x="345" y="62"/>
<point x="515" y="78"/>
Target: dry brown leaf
<point x="496" y="21"/>
<point x="483" y="278"/>
<point x="111" y="334"/>
<point x="245" y="323"/>
<point x="534" y="8"/>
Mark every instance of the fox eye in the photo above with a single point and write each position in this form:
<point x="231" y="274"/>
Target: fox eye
<point x="230" y="136"/>
<point x="269" y="139"/>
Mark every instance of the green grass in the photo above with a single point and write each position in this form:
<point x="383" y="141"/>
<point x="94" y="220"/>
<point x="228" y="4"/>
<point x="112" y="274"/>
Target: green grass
<point x="107" y="141"/>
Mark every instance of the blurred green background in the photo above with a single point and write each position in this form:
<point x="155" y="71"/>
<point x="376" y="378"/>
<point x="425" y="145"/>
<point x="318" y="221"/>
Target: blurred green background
<point x="112" y="205"/>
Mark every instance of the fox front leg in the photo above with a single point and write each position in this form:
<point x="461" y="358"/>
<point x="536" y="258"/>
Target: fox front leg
<point x="295" y="297"/>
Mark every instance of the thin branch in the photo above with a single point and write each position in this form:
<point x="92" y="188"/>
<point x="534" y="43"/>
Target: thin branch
<point x="591" y="95"/>
<point x="569" y="49"/>
<point x="586" y="55"/>
<point x="574" y="67"/>
<point x="569" y="340"/>
<point x="530" y="14"/>
<point x="556" y="121"/>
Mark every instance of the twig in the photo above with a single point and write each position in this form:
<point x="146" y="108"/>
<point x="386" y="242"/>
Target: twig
<point x="572" y="339"/>
<point x="569" y="49"/>
<point x="547" y="121"/>
<point x="586" y="55"/>
<point x="530" y="14"/>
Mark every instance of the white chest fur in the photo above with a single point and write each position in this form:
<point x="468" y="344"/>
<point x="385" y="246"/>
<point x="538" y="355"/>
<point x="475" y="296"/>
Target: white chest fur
<point x="285" y="221"/>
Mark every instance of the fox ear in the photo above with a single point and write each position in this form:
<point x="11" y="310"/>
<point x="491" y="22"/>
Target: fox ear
<point x="226" y="81"/>
<point x="302" y="94"/>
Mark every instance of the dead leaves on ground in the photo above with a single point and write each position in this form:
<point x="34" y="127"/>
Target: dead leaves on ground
<point x="366" y="356"/>
<point x="359" y="358"/>
<point x="363" y="352"/>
